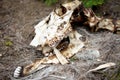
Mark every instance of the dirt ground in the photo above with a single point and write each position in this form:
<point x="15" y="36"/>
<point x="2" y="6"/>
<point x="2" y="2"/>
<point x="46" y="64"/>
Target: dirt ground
<point x="17" y="21"/>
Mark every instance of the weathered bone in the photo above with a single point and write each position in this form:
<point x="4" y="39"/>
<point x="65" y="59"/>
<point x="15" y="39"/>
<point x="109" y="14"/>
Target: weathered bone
<point x="92" y="18"/>
<point x="54" y="28"/>
<point x="103" y="66"/>
<point x="60" y="57"/>
<point x="109" y="24"/>
<point x="57" y="26"/>
<point x="106" y="24"/>
<point x="118" y="26"/>
<point x="37" y="63"/>
<point x="74" y="46"/>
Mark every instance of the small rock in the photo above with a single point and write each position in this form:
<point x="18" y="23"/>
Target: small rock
<point x="89" y="54"/>
<point x="0" y="55"/>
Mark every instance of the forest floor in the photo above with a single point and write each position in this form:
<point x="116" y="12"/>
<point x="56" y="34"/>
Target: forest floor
<point x="17" y="21"/>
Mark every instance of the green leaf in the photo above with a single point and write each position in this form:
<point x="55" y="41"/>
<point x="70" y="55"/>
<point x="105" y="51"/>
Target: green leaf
<point x="73" y="58"/>
<point x="50" y="2"/>
<point x="90" y="3"/>
<point x="8" y="43"/>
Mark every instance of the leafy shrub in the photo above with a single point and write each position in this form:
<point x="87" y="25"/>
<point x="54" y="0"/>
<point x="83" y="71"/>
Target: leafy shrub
<point x="50" y="2"/>
<point x="87" y="3"/>
<point x="90" y="3"/>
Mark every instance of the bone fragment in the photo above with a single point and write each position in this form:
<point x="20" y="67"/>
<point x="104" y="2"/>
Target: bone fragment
<point x="74" y="46"/>
<point x="46" y="50"/>
<point x="38" y="64"/>
<point x="92" y="18"/>
<point x="118" y="26"/>
<point x="107" y="65"/>
<point x="60" y="57"/>
<point x="106" y="24"/>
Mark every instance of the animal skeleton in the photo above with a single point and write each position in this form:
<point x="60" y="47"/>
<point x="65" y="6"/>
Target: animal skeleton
<point x="56" y="37"/>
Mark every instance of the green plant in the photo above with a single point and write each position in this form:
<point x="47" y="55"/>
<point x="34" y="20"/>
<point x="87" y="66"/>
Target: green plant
<point x="8" y="43"/>
<point x="87" y="3"/>
<point x="73" y="58"/>
<point x="50" y="2"/>
<point x="90" y="3"/>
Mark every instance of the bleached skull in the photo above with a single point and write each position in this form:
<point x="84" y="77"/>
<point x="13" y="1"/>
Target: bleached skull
<point x="56" y="26"/>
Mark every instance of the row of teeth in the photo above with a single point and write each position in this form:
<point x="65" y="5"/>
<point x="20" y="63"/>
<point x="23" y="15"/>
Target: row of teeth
<point x="17" y="72"/>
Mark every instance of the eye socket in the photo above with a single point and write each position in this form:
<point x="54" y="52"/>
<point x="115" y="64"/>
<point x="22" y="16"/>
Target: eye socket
<point x="48" y="20"/>
<point x="63" y="44"/>
<point x="61" y="10"/>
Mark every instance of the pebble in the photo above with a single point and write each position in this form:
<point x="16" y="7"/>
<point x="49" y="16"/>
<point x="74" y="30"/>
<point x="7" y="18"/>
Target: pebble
<point x="0" y="55"/>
